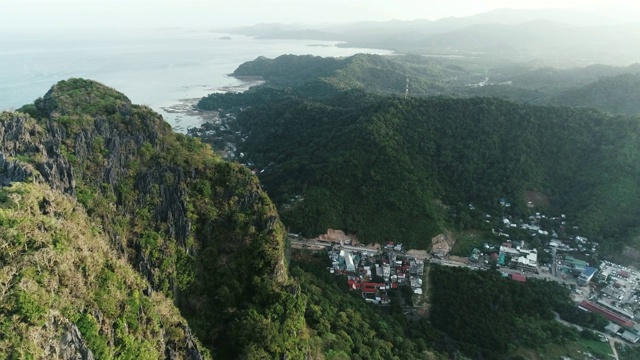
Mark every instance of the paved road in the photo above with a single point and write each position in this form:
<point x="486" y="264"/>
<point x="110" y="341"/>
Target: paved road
<point x="324" y="245"/>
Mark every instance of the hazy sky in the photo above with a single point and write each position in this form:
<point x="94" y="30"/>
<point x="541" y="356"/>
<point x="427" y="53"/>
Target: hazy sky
<point x="49" y="14"/>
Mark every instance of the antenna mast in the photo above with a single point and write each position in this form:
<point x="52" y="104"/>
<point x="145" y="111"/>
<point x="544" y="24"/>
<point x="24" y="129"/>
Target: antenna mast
<point x="406" y="91"/>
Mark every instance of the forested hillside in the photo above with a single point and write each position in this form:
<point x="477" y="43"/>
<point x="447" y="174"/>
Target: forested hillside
<point x="618" y="95"/>
<point x="366" y="163"/>
<point x="498" y="316"/>
<point x="382" y="74"/>
<point x="607" y="88"/>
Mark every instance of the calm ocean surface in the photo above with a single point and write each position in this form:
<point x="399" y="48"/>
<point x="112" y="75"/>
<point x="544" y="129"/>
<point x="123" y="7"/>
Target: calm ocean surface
<point x="161" y="69"/>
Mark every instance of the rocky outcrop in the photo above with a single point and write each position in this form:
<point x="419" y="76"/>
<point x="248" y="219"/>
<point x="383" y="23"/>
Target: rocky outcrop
<point x="190" y="346"/>
<point x="12" y="171"/>
<point x="186" y="220"/>
<point x="45" y="150"/>
<point x="22" y="137"/>
<point x="73" y="346"/>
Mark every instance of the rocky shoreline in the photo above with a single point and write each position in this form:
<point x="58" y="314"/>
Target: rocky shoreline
<point x="186" y="110"/>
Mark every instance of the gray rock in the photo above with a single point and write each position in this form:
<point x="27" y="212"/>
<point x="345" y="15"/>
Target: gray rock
<point x="73" y="346"/>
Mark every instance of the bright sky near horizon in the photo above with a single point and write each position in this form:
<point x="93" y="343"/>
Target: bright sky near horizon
<point x="51" y="14"/>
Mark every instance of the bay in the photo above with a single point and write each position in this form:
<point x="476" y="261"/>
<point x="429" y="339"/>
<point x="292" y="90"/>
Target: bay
<point x="168" y="69"/>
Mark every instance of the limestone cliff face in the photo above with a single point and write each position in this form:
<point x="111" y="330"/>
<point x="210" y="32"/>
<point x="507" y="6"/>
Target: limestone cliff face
<point x="66" y="294"/>
<point x="21" y="136"/>
<point x="187" y="221"/>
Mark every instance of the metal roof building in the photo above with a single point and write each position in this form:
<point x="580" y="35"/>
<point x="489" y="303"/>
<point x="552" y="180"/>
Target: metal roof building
<point x="618" y="319"/>
<point x="630" y="337"/>
<point x="612" y="328"/>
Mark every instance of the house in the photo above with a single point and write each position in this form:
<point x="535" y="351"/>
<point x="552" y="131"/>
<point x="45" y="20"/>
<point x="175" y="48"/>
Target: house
<point x="475" y="255"/>
<point x="386" y="271"/>
<point x="348" y="259"/>
<point x="508" y="251"/>
<point x="555" y="243"/>
<point x="527" y="260"/>
<point x="519" y="277"/>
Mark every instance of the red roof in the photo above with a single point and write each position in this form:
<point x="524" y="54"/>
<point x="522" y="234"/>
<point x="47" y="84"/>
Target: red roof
<point x="369" y="291"/>
<point x="373" y="285"/>
<point x="519" y="277"/>
<point x="394" y="285"/>
<point x="607" y="313"/>
<point x="624" y="274"/>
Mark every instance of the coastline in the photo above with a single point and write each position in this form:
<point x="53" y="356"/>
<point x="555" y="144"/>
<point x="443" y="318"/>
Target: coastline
<point x="185" y="112"/>
<point x="247" y="83"/>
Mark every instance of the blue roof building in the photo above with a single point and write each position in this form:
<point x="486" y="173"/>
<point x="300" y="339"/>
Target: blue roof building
<point x="586" y="276"/>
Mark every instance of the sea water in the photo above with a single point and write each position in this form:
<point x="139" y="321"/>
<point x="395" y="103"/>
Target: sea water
<point x="167" y="69"/>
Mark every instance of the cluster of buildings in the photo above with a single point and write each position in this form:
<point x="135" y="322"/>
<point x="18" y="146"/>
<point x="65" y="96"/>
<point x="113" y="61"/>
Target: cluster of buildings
<point x="611" y="289"/>
<point x="615" y="296"/>
<point x="518" y="257"/>
<point x="373" y="273"/>
<point x="525" y="260"/>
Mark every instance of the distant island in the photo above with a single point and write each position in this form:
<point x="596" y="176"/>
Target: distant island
<point x="225" y="38"/>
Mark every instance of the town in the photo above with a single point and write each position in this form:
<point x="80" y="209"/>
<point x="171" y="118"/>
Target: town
<point x="374" y="272"/>
<point x="539" y="247"/>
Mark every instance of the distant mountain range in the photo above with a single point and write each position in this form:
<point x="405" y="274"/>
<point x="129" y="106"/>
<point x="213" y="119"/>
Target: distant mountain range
<point x="554" y="36"/>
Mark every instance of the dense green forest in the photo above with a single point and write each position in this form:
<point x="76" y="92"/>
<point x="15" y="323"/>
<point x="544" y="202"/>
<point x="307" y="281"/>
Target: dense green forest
<point x="364" y="163"/>
<point x="497" y="315"/>
<point x="382" y="74"/>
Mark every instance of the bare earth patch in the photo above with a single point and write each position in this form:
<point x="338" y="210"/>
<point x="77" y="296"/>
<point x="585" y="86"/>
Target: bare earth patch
<point x="536" y="198"/>
<point x="442" y="244"/>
